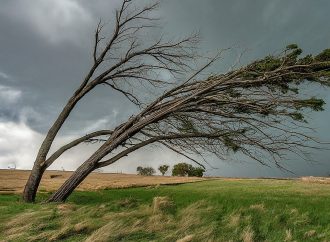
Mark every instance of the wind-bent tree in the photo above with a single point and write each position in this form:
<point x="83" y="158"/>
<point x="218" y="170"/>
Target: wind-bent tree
<point x="256" y="110"/>
<point x="118" y="61"/>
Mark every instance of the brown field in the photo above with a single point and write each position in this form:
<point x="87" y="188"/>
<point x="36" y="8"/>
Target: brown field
<point x="13" y="181"/>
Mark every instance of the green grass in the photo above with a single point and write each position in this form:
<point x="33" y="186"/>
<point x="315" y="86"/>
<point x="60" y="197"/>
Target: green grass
<point x="216" y="210"/>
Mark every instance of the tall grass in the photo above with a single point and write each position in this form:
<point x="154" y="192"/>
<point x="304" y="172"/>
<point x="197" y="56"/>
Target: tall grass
<point x="218" y="210"/>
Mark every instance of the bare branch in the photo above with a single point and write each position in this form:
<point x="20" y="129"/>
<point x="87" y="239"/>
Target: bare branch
<point x="74" y="143"/>
<point x="181" y="153"/>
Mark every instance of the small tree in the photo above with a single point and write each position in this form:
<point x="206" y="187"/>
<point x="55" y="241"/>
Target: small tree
<point x="163" y="169"/>
<point x="184" y="169"/>
<point x="181" y="169"/>
<point x="139" y="169"/>
<point x="145" y="171"/>
<point x="196" y="171"/>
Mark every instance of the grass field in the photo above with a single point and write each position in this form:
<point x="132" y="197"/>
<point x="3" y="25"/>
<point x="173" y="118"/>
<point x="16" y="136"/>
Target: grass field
<point x="214" y="210"/>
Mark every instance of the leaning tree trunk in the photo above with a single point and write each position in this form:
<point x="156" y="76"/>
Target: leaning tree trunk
<point x="33" y="182"/>
<point x="77" y="177"/>
<point x="39" y="166"/>
<point x="83" y="171"/>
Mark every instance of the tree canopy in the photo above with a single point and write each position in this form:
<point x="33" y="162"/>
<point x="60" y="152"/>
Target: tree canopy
<point x="145" y="171"/>
<point x="163" y="169"/>
<point x="184" y="169"/>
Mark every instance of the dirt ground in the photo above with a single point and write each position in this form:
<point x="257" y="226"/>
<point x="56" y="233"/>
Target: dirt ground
<point x="13" y="181"/>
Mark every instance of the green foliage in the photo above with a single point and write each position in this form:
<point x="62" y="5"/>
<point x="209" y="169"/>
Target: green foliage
<point x="269" y="63"/>
<point x="313" y="103"/>
<point x="230" y="143"/>
<point x="293" y="55"/>
<point x="288" y="82"/>
<point x="184" y="169"/>
<point x="163" y="169"/>
<point x="187" y="126"/>
<point x="196" y="172"/>
<point x="145" y="171"/>
<point x="308" y="59"/>
<point x="181" y="169"/>
<point x="323" y="56"/>
<point x="291" y="47"/>
<point x="289" y="58"/>
<point x="297" y="116"/>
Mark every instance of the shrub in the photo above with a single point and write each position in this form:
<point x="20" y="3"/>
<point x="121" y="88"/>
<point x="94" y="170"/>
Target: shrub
<point x="145" y="171"/>
<point x="196" y="171"/>
<point x="184" y="169"/>
<point x="181" y="169"/>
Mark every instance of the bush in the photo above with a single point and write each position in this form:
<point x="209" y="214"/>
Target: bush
<point x="184" y="169"/>
<point x="196" y="171"/>
<point x="180" y="169"/>
<point x="145" y="171"/>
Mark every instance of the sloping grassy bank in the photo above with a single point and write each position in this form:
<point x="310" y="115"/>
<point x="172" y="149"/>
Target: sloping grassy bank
<point x="217" y="210"/>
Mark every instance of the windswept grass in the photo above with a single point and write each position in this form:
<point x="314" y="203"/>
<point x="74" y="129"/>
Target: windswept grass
<point x="218" y="210"/>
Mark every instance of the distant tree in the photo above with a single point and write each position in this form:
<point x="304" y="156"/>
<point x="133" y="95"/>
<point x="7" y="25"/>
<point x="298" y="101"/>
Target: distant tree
<point x="196" y="171"/>
<point x="145" y="171"/>
<point x="139" y="169"/>
<point x="184" y="169"/>
<point x="181" y="169"/>
<point x="163" y="169"/>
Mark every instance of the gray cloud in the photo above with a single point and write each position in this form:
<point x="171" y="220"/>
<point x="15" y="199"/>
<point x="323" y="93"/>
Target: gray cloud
<point x="9" y="95"/>
<point x="46" y="50"/>
<point x="54" y="20"/>
<point x="4" y="76"/>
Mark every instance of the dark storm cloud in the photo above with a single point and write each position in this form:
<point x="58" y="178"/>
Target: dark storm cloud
<point x="48" y="64"/>
<point x="46" y="50"/>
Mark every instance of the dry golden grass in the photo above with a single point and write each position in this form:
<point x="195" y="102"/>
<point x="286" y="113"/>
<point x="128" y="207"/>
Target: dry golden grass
<point x="20" y="225"/>
<point x="13" y="181"/>
<point x="247" y="235"/>
<point x="160" y="204"/>
<point x="187" y="238"/>
<point x="120" y="225"/>
<point x="234" y="220"/>
<point x="144" y="219"/>
<point x="259" y="207"/>
<point x="312" y="179"/>
<point x="288" y="235"/>
<point x="34" y="226"/>
<point x="310" y="233"/>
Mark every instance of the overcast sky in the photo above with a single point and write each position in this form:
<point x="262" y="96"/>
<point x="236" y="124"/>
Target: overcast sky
<point x="45" y="50"/>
